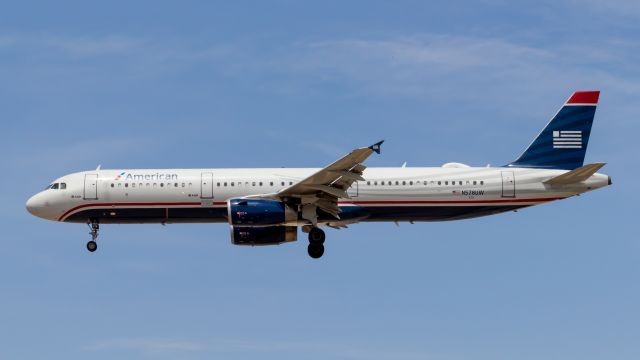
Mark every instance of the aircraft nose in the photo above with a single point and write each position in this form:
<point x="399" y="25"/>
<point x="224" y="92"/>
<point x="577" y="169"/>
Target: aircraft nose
<point x="34" y="205"/>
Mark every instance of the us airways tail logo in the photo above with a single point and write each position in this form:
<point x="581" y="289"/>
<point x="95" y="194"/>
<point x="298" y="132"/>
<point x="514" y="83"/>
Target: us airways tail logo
<point x="567" y="139"/>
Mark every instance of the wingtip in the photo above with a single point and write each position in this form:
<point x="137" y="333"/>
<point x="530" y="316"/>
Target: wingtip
<point x="376" y="147"/>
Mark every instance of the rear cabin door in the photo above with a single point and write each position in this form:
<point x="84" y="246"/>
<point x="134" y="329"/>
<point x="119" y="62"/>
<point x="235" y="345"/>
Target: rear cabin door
<point x="90" y="187"/>
<point x="508" y="184"/>
<point x="353" y="189"/>
<point x="206" y="186"/>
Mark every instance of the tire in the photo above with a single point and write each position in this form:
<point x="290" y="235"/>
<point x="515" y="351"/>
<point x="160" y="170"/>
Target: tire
<point x="92" y="246"/>
<point x="316" y="236"/>
<point x="315" y="250"/>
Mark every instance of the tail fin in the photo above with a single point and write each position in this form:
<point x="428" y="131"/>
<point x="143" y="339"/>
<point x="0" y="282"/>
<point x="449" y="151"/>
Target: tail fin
<point x="563" y="142"/>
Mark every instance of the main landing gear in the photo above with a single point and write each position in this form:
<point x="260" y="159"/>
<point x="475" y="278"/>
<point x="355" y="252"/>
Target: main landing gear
<point x="94" y="226"/>
<point x="316" y="243"/>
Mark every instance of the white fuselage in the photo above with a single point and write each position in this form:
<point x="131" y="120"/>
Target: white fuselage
<point x="387" y="194"/>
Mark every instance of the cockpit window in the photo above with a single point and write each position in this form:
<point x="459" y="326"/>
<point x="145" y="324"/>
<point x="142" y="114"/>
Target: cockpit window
<point x="63" y="186"/>
<point x="55" y="186"/>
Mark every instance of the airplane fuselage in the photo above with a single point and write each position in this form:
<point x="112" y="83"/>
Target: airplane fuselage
<point x="386" y="194"/>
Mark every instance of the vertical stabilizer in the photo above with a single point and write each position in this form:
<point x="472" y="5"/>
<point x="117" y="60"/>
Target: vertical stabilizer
<point x="562" y="144"/>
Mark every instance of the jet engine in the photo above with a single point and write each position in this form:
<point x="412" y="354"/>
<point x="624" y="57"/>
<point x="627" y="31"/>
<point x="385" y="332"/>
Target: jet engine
<point x="261" y="222"/>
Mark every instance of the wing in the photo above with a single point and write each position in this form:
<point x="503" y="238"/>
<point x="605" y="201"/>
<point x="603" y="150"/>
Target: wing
<point x="325" y="187"/>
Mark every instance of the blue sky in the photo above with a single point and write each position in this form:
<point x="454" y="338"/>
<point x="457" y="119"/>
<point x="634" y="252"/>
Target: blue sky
<point x="292" y="83"/>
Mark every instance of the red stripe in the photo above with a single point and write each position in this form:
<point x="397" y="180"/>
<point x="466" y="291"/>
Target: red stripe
<point x="384" y="202"/>
<point x="584" y="97"/>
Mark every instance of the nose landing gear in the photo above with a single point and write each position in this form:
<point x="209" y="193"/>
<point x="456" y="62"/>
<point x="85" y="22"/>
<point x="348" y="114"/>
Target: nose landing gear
<point x="94" y="226"/>
<point x="316" y="243"/>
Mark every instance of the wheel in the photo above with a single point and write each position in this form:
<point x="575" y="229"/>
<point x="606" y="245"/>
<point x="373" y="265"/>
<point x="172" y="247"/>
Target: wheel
<point x="316" y="236"/>
<point x="92" y="246"/>
<point x="315" y="250"/>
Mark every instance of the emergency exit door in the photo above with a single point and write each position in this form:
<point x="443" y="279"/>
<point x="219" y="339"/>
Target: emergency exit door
<point x="206" y="186"/>
<point x="90" y="187"/>
<point x="508" y="184"/>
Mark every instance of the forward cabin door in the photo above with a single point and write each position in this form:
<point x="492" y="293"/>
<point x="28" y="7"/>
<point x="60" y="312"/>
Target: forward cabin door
<point x="90" y="187"/>
<point x="508" y="184"/>
<point x="206" y="186"/>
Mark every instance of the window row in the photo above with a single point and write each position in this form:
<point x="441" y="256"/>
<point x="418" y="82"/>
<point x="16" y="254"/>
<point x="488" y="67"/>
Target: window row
<point x="427" y="183"/>
<point x="251" y="183"/>
<point x="182" y="185"/>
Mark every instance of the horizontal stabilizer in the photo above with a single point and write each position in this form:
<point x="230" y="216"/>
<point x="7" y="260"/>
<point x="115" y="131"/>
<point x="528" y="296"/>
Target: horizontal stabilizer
<point x="576" y="175"/>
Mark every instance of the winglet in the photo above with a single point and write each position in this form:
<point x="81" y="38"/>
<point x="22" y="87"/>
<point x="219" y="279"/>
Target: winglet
<point x="376" y="147"/>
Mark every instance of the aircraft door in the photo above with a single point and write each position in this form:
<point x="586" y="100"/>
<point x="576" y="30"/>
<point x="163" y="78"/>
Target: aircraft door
<point x="206" y="186"/>
<point x="508" y="184"/>
<point x="90" y="187"/>
<point x="353" y="190"/>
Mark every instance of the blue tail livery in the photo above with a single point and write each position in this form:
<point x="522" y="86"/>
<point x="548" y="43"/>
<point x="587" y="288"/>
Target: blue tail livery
<point x="562" y="144"/>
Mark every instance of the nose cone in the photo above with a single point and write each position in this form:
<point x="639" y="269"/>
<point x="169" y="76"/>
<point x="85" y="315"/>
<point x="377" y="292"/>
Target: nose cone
<point x="35" y="205"/>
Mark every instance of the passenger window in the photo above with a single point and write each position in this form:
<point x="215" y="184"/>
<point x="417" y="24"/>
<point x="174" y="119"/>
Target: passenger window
<point x="232" y="183"/>
<point x="459" y="182"/>
<point x="225" y="184"/>
<point x="253" y="183"/>
<point x="481" y="182"/>
<point x="270" y="183"/>
<point x="119" y="185"/>
<point x="411" y="182"/>
<point x="154" y="185"/>
<point x="381" y="182"/>
<point x="161" y="184"/>
<point x="176" y="184"/>
<point x="397" y="182"/>
<point x="439" y="182"/>
<point x="368" y="182"/>
<point x="148" y="184"/>
<point x="425" y="183"/>
<point x="446" y="182"/>
<point x="375" y="183"/>
<point x="290" y="182"/>
<point x="126" y="185"/>
<point x="474" y="182"/>
<point x="467" y="182"/>
<point x="111" y="184"/>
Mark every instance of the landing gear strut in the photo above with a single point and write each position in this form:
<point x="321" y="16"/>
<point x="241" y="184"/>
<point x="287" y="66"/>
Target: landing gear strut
<point x="316" y="243"/>
<point x="94" y="226"/>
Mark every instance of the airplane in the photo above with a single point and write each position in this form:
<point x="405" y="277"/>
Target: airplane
<point x="265" y="206"/>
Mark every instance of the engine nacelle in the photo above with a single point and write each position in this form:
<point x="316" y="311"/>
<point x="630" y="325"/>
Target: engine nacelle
<point x="265" y="235"/>
<point x="260" y="212"/>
